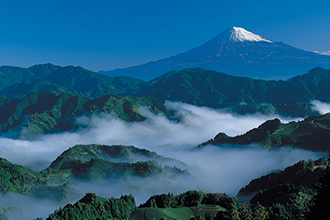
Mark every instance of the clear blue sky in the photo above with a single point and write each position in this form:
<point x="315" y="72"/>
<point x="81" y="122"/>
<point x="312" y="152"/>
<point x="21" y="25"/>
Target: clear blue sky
<point x="108" y="34"/>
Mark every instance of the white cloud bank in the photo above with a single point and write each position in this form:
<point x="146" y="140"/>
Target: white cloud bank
<point x="195" y="125"/>
<point x="320" y="107"/>
<point x="217" y="169"/>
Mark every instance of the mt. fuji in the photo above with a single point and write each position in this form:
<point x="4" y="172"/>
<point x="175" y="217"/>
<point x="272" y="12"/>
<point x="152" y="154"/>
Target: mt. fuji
<point x="238" y="52"/>
<point x="237" y="34"/>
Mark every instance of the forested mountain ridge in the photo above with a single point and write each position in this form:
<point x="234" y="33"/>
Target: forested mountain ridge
<point x="303" y="173"/>
<point x="195" y="86"/>
<point x="47" y="112"/>
<point x="312" y="134"/>
<point x="113" y="153"/>
<point x="17" y="82"/>
<point x="95" y="207"/>
<point x="285" y="194"/>
<point x="303" y="204"/>
<point x="117" y="162"/>
<point x="21" y="180"/>
<point x="183" y="206"/>
<point x="215" y="89"/>
<point x="90" y="163"/>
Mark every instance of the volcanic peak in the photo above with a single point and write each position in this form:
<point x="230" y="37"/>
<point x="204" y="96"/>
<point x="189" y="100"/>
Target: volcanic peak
<point x="238" y="34"/>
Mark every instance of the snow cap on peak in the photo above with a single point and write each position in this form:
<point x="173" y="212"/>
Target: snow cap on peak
<point x="238" y="34"/>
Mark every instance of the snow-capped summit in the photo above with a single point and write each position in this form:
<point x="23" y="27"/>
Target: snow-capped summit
<point x="238" y="52"/>
<point x="238" y="34"/>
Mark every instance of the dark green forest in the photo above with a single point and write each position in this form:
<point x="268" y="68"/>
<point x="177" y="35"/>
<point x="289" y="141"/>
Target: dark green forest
<point x="311" y="134"/>
<point x="75" y="164"/>
<point x="219" y="90"/>
<point x="47" y="99"/>
<point x="94" y="207"/>
<point x="195" y="86"/>
<point x="46" y="112"/>
<point x="294" y="193"/>
<point x="306" y="204"/>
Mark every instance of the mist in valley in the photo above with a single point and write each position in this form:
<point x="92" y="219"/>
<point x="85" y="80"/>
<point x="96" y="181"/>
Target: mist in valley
<point x="223" y="169"/>
<point x="320" y="107"/>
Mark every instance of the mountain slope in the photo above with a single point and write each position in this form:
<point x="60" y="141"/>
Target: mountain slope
<point x="312" y="134"/>
<point x="15" y="178"/>
<point x="17" y="82"/>
<point x="47" y="112"/>
<point x="196" y="86"/>
<point x="237" y="52"/>
<point x="95" y="207"/>
<point x="115" y="163"/>
<point x="11" y="75"/>
<point x="303" y="173"/>
<point x="21" y="180"/>
<point x="119" y="166"/>
<point x="114" y="153"/>
<point x="215" y="89"/>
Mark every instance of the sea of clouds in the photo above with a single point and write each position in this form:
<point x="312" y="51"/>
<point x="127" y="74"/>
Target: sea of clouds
<point x="222" y="169"/>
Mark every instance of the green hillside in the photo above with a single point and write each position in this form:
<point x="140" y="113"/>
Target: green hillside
<point x="91" y="163"/>
<point x="97" y="169"/>
<point x="16" y="178"/>
<point x="195" y="86"/>
<point x="215" y="89"/>
<point x="11" y="75"/>
<point x="303" y="173"/>
<point x="116" y="163"/>
<point x="182" y="213"/>
<point x="299" y="207"/>
<point x="17" y="82"/>
<point x="21" y="180"/>
<point x="114" y="153"/>
<point x="95" y="207"/>
<point x="190" y="198"/>
<point x="45" y="112"/>
<point x="312" y="134"/>
<point x="293" y="193"/>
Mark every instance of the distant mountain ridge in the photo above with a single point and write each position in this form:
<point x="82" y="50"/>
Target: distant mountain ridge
<point x="196" y="86"/>
<point x="16" y="82"/>
<point x="215" y="89"/>
<point x="235" y="51"/>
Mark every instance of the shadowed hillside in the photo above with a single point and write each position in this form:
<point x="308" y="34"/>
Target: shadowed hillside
<point x="47" y="112"/>
<point x="311" y="134"/>
<point x="17" y="82"/>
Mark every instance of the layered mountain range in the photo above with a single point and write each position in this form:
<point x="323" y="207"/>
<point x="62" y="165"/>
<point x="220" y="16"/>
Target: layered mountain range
<point x="17" y="82"/>
<point x="47" y="98"/>
<point x="46" y="112"/>
<point x="65" y="180"/>
<point x="235" y="51"/>
<point x="53" y="104"/>
<point x="203" y="87"/>
<point x="195" y="86"/>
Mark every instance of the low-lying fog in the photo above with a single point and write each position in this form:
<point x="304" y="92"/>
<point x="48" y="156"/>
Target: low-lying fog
<point x="224" y="169"/>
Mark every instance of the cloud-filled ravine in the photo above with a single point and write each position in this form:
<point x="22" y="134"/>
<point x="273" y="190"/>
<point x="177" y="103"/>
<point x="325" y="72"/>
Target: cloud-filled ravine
<point x="222" y="169"/>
